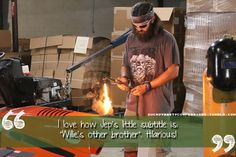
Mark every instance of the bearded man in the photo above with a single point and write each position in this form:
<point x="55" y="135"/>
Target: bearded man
<point x="150" y="64"/>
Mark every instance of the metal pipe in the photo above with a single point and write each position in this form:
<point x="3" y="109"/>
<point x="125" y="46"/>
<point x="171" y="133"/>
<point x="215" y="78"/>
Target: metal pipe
<point x="1" y="14"/>
<point x="118" y="41"/>
<point x="88" y="59"/>
<point x="14" y="25"/>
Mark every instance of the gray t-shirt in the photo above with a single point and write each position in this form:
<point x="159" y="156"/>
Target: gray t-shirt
<point x="146" y="61"/>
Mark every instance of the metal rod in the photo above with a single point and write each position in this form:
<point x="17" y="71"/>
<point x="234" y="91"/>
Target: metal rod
<point x="118" y="41"/>
<point x="88" y="59"/>
<point x="14" y="25"/>
<point x="1" y="14"/>
<point x="113" y="80"/>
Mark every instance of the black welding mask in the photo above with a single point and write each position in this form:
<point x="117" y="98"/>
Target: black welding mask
<point x="221" y="64"/>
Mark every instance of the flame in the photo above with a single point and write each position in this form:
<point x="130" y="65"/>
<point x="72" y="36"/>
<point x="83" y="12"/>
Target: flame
<point x="106" y="102"/>
<point x="103" y="106"/>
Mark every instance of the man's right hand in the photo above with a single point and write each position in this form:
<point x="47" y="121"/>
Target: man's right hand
<point x="122" y="83"/>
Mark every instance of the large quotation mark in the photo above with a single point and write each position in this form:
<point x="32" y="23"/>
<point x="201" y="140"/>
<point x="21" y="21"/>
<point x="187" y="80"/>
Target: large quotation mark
<point x="229" y="139"/>
<point x="7" y="124"/>
<point x="18" y="123"/>
<point x="218" y="140"/>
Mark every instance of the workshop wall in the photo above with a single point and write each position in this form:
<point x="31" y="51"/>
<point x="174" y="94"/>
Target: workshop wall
<point x="79" y="17"/>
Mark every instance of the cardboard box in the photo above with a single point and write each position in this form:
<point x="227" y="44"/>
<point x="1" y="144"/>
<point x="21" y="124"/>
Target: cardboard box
<point x="172" y="18"/>
<point x="60" y="74"/>
<point x="65" y="60"/>
<point x="76" y="83"/>
<point x="48" y="73"/>
<point x="68" y="42"/>
<point x="37" y="73"/>
<point x="51" y="61"/>
<point x="119" y="50"/>
<point x="37" y="62"/>
<point x="122" y="18"/>
<point x="211" y="6"/>
<point x="5" y="40"/>
<point x="24" y="44"/>
<point x="116" y="63"/>
<point x="66" y="52"/>
<point x="36" y="43"/>
<point x="78" y="78"/>
<point x="78" y="73"/>
<point x="78" y="58"/>
<point x="45" y="45"/>
<point x="67" y="57"/>
<point x="47" y="48"/>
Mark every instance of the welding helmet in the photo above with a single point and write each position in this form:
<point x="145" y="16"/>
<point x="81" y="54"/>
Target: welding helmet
<point x="221" y="64"/>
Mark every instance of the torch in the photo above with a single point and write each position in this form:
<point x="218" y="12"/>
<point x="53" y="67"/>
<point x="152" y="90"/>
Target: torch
<point x="104" y="99"/>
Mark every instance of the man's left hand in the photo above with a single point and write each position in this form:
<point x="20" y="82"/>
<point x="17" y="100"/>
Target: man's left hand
<point x="139" y="90"/>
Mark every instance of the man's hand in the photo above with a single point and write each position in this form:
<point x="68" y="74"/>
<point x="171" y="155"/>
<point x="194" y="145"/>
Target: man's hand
<point x="139" y="90"/>
<point x="122" y="83"/>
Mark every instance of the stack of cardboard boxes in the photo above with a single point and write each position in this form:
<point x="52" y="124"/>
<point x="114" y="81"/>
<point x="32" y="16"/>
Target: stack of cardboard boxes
<point x="44" y="55"/>
<point x="173" y="21"/>
<point x="206" y="22"/>
<point x="52" y="55"/>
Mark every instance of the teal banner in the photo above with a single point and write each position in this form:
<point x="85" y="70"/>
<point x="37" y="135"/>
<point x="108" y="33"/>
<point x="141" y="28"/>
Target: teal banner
<point x="95" y="131"/>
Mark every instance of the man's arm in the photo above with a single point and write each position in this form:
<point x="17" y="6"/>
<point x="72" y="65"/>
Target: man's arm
<point x="122" y="81"/>
<point x="170" y="74"/>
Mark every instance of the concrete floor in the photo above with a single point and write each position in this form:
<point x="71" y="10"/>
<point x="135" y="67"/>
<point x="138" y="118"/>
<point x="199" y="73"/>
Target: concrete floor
<point x="176" y="152"/>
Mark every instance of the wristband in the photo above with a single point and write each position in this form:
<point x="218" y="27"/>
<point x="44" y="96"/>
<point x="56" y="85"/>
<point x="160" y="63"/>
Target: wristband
<point x="149" y="86"/>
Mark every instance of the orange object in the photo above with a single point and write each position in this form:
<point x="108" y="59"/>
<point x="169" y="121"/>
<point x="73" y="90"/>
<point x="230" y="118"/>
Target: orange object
<point x="212" y="107"/>
<point x="52" y="152"/>
<point x="209" y="105"/>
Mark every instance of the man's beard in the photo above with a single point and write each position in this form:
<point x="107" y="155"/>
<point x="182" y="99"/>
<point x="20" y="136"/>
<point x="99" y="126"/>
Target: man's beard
<point x="144" y="36"/>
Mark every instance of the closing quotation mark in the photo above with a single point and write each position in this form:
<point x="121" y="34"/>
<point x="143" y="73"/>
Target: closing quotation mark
<point x="18" y="123"/>
<point x="229" y="139"/>
<point x="218" y="140"/>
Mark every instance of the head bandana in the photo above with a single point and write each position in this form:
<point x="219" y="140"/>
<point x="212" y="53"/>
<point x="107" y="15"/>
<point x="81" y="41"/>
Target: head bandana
<point x="143" y="18"/>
